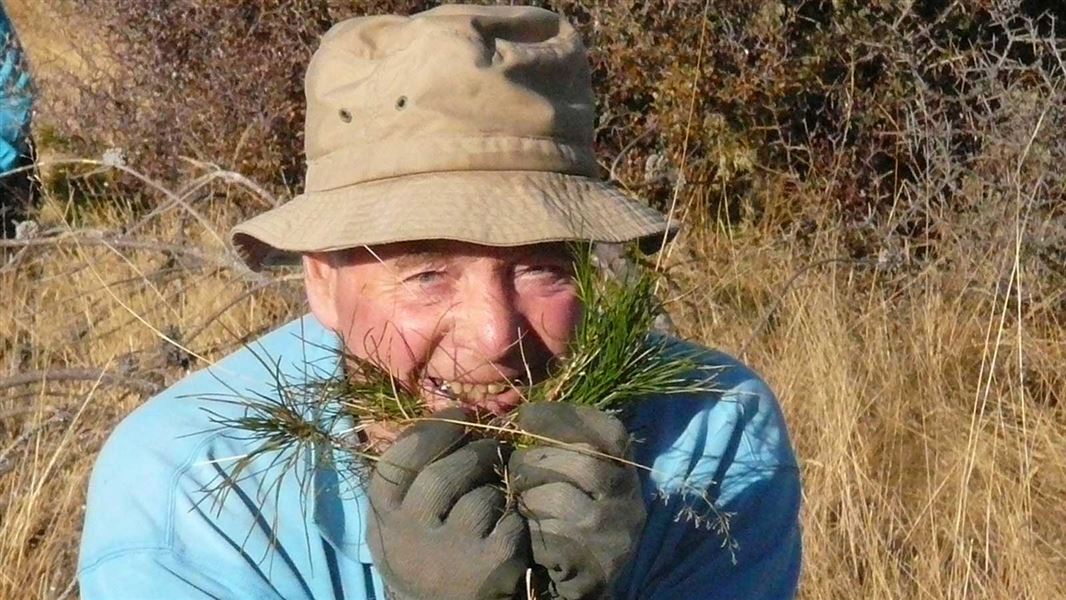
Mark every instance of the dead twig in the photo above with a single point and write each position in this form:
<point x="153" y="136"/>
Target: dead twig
<point x="181" y="197"/>
<point x="32" y="377"/>
<point x="613" y="170"/>
<point x="67" y="591"/>
<point x="60" y="416"/>
<point x="217" y="172"/>
<point x="103" y="238"/>
<point x="242" y="296"/>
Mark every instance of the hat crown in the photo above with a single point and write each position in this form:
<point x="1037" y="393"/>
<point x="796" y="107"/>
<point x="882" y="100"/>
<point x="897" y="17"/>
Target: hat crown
<point x="451" y="89"/>
<point x="466" y="123"/>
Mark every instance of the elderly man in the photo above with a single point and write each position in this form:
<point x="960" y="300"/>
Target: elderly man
<point x="449" y="164"/>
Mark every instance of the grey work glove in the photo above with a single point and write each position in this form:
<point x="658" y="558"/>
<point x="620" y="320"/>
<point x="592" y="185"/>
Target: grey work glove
<point x="438" y="526"/>
<point x="585" y="512"/>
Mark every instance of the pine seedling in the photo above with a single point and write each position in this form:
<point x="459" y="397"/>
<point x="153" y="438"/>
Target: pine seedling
<point x="615" y="356"/>
<point x="282" y="426"/>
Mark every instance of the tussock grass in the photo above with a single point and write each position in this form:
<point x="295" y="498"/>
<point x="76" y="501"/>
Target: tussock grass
<point x="615" y="355"/>
<point x="928" y="429"/>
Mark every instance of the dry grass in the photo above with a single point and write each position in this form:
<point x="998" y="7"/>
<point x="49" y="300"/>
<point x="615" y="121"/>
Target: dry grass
<point x="924" y="394"/>
<point x="927" y="416"/>
<point x="94" y="308"/>
<point x="926" y="408"/>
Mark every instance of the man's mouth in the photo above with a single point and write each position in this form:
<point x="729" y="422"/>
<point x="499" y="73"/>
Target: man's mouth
<point x="497" y="397"/>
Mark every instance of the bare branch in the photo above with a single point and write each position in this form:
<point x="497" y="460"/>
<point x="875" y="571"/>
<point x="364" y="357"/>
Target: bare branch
<point x="75" y="375"/>
<point x="105" y="238"/>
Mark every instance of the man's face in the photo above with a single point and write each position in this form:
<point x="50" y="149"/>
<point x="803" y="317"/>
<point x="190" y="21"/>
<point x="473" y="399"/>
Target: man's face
<point x="463" y="323"/>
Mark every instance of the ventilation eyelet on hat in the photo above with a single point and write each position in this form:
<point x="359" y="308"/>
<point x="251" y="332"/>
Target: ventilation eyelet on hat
<point x="401" y="102"/>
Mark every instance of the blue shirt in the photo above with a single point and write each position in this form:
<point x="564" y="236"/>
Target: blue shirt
<point x="153" y="530"/>
<point x="15" y="96"/>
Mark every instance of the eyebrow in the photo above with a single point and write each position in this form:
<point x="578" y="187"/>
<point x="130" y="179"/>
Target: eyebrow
<point x="409" y="260"/>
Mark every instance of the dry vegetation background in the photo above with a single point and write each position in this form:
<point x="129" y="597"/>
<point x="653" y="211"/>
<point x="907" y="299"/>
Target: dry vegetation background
<point x="872" y="195"/>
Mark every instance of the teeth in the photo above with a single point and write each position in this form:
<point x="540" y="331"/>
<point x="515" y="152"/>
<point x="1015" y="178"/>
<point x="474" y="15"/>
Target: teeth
<point x="446" y="389"/>
<point x="473" y="391"/>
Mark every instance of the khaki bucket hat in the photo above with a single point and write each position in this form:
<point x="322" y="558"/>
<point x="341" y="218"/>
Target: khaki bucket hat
<point x="467" y="123"/>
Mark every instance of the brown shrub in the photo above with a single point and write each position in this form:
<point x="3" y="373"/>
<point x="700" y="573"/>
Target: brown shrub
<point x="859" y="102"/>
<point x="214" y="81"/>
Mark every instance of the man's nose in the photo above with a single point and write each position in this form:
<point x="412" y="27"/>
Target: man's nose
<point x="490" y="324"/>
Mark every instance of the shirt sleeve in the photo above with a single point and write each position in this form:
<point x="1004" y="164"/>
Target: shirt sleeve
<point x="154" y="574"/>
<point x="170" y="515"/>
<point x="723" y="497"/>
<point x="165" y="518"/>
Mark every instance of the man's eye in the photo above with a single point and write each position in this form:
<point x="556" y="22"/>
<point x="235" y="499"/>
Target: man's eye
<point x="426" y="278"/>
<point x="546" y="270"/>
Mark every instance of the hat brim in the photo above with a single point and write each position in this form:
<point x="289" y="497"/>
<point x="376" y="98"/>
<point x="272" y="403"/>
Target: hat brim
<point x="492" y="208"/>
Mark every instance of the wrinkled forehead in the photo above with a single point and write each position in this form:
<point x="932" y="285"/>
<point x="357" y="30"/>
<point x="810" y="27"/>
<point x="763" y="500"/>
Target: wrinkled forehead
<point x="405" y="253"/>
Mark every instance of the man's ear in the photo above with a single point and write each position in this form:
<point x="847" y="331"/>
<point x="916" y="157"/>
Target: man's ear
<point x="320" y="282"/>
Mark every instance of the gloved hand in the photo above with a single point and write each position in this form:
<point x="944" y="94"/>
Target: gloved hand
<point x="438" y="524"/>
<point x="585" y="512"/>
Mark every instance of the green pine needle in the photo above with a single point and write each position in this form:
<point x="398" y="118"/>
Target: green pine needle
<point x="615" y="356"/>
